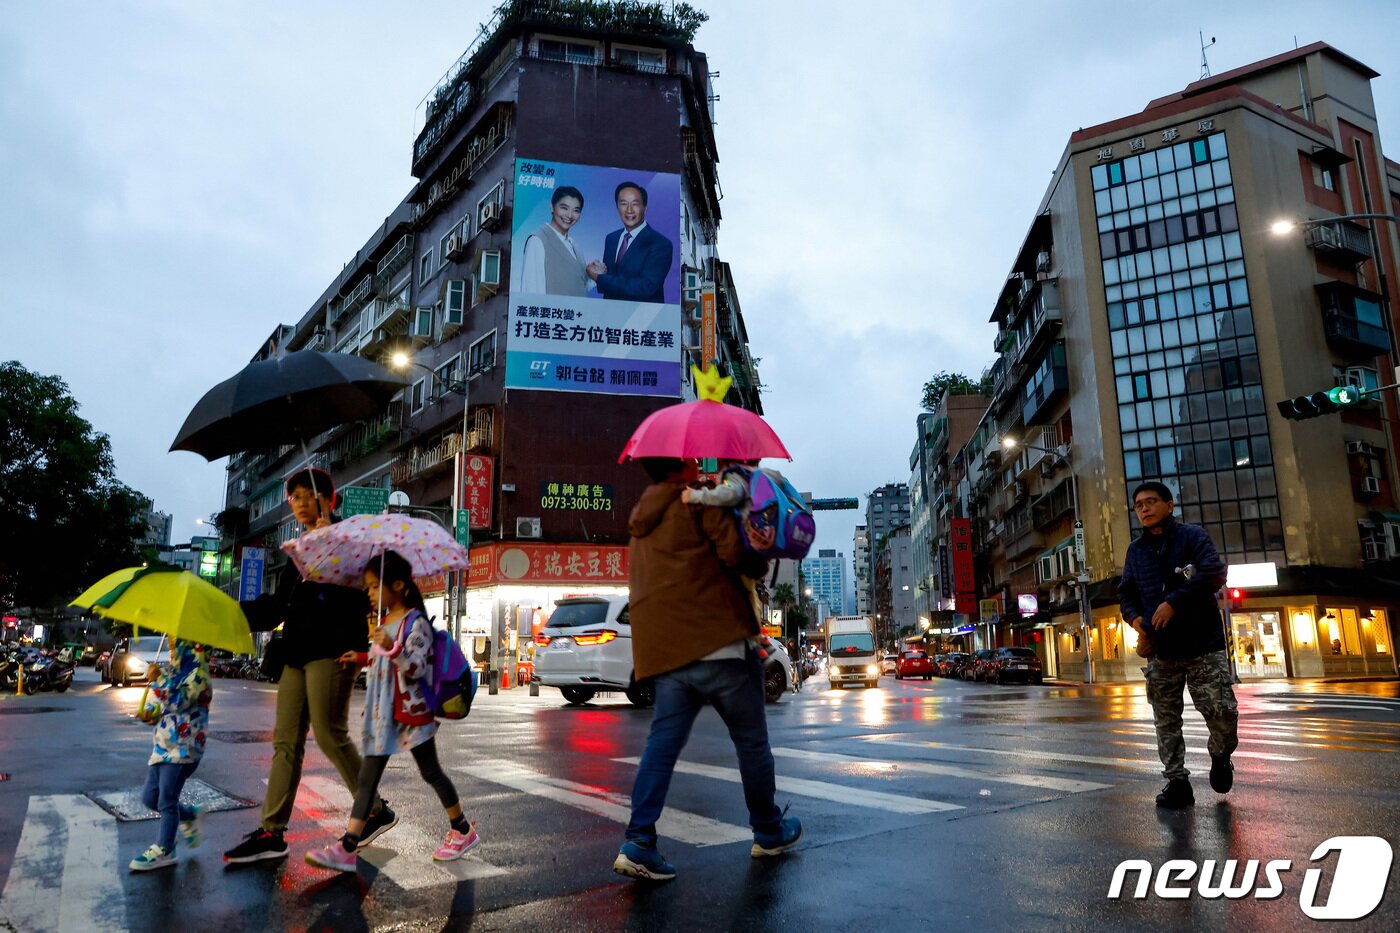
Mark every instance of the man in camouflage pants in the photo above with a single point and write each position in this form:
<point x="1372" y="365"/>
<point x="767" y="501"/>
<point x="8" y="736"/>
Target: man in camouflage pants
<point x="1167" y="592"/>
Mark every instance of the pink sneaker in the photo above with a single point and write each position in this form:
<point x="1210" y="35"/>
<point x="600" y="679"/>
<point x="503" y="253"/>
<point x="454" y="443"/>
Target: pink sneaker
<point x="333" y="857"/>
<point x="456" y="844"/>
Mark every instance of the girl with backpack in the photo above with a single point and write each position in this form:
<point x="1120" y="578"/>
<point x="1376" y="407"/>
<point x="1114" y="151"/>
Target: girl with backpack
<point x="397" y="715"/>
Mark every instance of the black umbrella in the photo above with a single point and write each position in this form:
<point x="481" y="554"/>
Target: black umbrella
<point x="285" y="401"/>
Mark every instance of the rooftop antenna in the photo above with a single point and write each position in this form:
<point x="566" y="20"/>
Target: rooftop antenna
<point x="1205" y="65"/>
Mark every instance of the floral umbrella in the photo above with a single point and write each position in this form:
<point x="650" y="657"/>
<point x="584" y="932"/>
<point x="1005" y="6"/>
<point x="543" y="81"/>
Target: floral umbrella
<point x="705" y="428"/>
<point x="340" y="553"/>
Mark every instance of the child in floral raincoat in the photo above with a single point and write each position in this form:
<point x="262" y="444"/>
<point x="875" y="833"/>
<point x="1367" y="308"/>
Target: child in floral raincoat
<point x="183" y="691"/>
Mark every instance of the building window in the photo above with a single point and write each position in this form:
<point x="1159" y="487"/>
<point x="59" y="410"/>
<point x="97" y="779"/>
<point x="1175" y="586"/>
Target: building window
<point x="483" y="353"/>
<point x="567" y="50"/>
<point x="642" y="59"/>
<point x="1181" y="330"/>
<point x="446" y="374"/>
<point x="425" y="266"/>
<point x="416" y="396"/>
<point x="1324" y="177"/>
<point x="486" y="276"/>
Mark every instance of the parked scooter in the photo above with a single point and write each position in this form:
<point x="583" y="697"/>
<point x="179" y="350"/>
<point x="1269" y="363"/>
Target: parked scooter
<point x="10" y="662"/>
<point x="47" y="674"/>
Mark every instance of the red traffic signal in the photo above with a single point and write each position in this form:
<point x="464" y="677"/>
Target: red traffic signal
<point x="1236" y="597"/>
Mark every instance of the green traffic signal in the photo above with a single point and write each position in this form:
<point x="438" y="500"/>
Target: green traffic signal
<point x="1327" y="402"/>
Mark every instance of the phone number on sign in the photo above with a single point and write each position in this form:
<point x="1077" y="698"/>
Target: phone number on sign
<point x="577" y="503"/>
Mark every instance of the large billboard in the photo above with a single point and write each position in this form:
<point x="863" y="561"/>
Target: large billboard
<point x="595" y="280"/>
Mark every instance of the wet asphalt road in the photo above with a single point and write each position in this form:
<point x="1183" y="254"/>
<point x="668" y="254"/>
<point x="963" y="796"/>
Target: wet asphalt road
<point x="934" y="805"/>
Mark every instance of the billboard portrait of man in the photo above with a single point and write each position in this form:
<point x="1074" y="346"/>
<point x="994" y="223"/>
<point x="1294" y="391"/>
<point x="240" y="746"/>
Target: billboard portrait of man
<point x="636" y="258"/>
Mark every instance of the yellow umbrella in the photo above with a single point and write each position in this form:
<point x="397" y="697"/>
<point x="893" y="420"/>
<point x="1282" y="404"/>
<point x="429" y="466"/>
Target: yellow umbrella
<point x="173" y="601"/>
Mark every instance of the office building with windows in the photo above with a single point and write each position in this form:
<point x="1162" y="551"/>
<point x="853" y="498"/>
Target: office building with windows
<point x="825" y="576"/>
<point x="1149" y="324"/>
<point x="539" y="333"/>
<point x="860" y="561"/>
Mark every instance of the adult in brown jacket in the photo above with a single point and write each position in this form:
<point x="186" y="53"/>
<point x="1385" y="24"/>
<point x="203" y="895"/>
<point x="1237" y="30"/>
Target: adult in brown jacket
<point x="692" y="631"/>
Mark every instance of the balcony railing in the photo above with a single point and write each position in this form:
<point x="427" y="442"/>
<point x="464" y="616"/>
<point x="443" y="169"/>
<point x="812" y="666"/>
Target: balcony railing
<point x="1354" y="337"/>
<point x="1343" y="240"/>
<point x="1039" y="399"/>
<point x="396" y="259"/>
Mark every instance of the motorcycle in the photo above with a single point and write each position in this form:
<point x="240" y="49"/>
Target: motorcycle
<point x="47" y="674"/>
<point x="10" y="663"/>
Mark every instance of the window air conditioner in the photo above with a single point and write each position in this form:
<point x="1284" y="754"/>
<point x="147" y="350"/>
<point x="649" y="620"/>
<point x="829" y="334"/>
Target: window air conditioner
<point x="454" y="247"/>
<point x="1370" y="485"/>
<point x="1042" y="261"/>
<point x="1358" y="447"/>
<point x="527" y="528"/>
<point x="490" y="214"/>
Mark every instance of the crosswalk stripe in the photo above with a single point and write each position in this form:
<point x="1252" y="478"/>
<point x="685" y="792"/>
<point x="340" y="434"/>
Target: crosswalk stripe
<point x="674" y="824"/>
<point x="1015" y="752"/>
<point x="403" y="854"/>
<point x="1327" y="742"/>
<point x="1266" y="756"/>
<point x="83" y="898"/>
<point x="1067" y="785"/>
<point x="822" y="790"/>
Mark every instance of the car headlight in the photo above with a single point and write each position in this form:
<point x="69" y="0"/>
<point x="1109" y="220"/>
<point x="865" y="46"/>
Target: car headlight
<point x="835" y="670"/>
<point x="872" y="669"/>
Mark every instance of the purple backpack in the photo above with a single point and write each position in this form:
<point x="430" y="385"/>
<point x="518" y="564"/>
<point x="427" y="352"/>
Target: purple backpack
<point x="778" y="524"/>
<point x="450" y="684"/>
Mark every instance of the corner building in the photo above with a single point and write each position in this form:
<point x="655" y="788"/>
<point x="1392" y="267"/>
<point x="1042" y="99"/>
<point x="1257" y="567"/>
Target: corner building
<point x="529" y="377"/>
<point x="1151" y="321"/>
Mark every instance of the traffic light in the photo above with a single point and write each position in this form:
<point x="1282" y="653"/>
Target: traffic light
<point x="1236" y="599"/>
<point x="1321" y="403"/>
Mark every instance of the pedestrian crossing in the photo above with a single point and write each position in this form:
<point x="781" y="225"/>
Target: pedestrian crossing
<point x="68" y="870"/>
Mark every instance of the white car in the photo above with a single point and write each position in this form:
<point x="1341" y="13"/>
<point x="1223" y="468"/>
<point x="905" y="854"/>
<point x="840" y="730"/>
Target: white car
<point x="778" y="673"/>
<point x="586" y="649"/>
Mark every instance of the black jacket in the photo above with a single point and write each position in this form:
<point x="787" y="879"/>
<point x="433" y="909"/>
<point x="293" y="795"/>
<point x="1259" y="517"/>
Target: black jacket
<point x="1152" y="575"/>
<point x="322" y="621"/>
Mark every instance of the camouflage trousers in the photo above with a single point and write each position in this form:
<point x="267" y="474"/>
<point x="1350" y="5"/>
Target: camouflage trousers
<point x="1209" y="680"/>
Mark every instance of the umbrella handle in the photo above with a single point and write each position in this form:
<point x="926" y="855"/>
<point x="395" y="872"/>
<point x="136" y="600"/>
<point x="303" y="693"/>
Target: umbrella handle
<point x="311" y="472"/>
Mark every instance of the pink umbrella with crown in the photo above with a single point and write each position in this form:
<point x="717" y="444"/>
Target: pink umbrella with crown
<point x="705" y="428"/>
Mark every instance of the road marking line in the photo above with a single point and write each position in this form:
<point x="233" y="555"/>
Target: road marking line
<point x="1067" y="785"/>
<point x="1327" y="742"/>
<point x="88" y="892"/>
<point x="1057" y="756"/>
<point x="822" y="790"/>
<point x="406" y="857"/>
<point x="674" y="824"/>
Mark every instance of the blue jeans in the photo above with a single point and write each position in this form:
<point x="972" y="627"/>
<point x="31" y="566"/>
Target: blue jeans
<point x="735" y="689"/>
<point x="162" y="794"/>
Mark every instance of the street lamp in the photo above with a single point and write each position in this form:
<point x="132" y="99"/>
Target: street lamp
<point x="1284" y="226"/>
<point x="402" y="361"/>
<point x="1085" y="619"/>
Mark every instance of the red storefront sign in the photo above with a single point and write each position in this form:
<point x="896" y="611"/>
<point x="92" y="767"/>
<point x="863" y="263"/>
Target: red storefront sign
<point x="964" y="577"/>
<point x="474" y="489"/>
<point x="548" y="563"/>
<point x="432" y="585"/>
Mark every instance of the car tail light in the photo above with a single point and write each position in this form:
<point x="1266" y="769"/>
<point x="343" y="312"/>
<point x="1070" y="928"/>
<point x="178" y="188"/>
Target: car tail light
<point x="541" y="640"/>
<point x="595" y="638"/>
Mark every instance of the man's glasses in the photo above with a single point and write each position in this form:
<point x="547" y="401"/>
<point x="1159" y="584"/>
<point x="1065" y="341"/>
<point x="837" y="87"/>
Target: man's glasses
<point x="301" y="498"/>
<point x="1146" y="504"/>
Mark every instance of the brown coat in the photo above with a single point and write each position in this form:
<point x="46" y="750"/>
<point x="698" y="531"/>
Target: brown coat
<point x="686" y="598"/>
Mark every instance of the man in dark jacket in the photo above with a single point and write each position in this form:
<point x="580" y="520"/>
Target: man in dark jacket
<point x="1167" y="592"/>
<point x="693" y="630"/>
<point x="319" y="624"/>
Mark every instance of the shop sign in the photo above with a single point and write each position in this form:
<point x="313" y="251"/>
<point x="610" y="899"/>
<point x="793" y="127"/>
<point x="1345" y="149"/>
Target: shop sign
<point x="434" y="584"/>
<point x="989" y="609"/>
<point x="474" y="488"/>
<point x="709" y="337"/>
<point x="1252" y="576"/>
<point x="1028" y="604"/>
<point x="964" y="578"/>
<point x="549" y="563"/>
<point x="576" y="496"/>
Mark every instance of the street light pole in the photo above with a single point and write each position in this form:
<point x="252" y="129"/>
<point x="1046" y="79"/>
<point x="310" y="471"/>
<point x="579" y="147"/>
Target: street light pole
<point x="1082" y="580"/>
<point x="456" y="595"/>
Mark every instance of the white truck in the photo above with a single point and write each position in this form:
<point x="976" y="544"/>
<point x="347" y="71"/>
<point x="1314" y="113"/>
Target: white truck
<point x="850" y="651"/>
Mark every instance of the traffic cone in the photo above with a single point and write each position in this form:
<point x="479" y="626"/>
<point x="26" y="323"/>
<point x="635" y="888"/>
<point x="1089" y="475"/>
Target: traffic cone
<point x="505" y="677"/>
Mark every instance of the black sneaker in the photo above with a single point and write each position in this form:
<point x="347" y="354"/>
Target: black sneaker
<point x="257" y="846"/>
<point x="379" y="823"/>
<point x="1222" y="774"/>
<point x="1177" y="795"/>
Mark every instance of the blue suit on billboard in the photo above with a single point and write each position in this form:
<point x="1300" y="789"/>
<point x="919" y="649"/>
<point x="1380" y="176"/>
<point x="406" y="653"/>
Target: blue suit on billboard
<point x="641" y="274"/>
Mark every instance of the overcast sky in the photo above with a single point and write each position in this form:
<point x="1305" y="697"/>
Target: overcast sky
<point x="178" y="178"/>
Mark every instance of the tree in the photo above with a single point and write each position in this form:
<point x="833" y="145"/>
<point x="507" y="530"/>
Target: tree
<point x="65" y="519"/>
<point x="784" y="596"/>
<point x="936" y="387"/>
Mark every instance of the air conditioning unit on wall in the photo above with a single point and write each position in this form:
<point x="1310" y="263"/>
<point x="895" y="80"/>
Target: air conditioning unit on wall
<point x="528" y="528"/>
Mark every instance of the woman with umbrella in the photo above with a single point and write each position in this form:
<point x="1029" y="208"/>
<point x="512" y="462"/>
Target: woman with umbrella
<point x="320" y="623"/>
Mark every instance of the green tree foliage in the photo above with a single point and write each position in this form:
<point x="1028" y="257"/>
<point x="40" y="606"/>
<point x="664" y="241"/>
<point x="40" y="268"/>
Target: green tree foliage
<point x="941" y="383"/>
<point x="65" y="519"/>
<point x="784" y="597"/>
